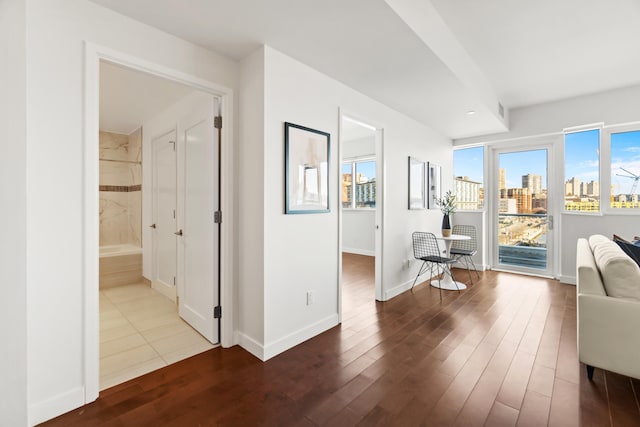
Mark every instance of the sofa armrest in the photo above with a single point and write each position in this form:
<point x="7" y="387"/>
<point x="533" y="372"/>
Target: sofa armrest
<point x="608" y="333"/>
<point x="587" y="274"/>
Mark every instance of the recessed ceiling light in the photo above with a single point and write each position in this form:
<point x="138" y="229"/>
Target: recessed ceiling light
<point x="470" y="113"/>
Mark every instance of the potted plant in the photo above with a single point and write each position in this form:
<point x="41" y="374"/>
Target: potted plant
<point x="447" y="205"/>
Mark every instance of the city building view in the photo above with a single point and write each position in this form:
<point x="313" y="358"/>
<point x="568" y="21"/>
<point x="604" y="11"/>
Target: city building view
<point x="522" y="202"/>
<point x="522" y="188"/>
<point x="363" y="193"/>
<point x="522" y="209"/>
<point x="582" y="171"/>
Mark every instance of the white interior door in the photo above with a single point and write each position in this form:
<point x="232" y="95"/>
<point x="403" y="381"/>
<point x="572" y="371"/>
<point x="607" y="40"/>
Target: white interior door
<point x="164" y="214"/>
<point x="198" y="247"/>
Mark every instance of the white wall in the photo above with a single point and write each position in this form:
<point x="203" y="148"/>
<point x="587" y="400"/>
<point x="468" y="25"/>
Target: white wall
<point x="301" y="251"/>
<point x="13" y="318"/>
<point x="54" y="173"/>
<point x="358" y="231"/>
<point x="611" y="108"/>
<point x="251" y="223"/>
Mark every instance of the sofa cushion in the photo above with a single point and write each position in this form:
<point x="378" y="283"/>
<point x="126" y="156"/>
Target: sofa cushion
<point x="597" y="238"/>
<point x="620" y="274"/>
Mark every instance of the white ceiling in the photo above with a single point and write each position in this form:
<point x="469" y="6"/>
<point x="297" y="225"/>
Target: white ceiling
<point x="128" y="97"/>
<point x="431" y="60"/>
<point x="545" y="50"/>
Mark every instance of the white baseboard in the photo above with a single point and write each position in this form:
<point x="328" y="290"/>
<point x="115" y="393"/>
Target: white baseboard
<point x="57" y="405"/>
<point x="479" y="267"/>
<point x="299" y="336"/>
<point x="397" y="290"/>
<point x="249" y="344"/>
<point x="571" y="280"/>
<point x="359" y="251"/>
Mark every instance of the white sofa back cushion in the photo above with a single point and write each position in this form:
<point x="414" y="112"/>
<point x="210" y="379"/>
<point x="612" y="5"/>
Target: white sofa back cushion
<point x="596" y="239"/>
<point x="620" y="274"/>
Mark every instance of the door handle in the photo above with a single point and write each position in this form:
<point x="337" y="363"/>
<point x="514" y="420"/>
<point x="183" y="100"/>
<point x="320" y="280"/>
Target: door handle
<point x="152" y="226"/>
<point x="178" y="233"/>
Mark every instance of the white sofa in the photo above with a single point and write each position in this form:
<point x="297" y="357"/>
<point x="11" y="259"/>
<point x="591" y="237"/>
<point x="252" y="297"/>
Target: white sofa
<point x="608" y="304"/>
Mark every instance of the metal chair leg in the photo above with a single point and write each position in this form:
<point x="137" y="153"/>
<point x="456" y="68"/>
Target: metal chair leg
<point x="466" y="262"/>
<point x="437" y="266"/>
<point x="419" y="273"/>
<point x="474" y="267"/>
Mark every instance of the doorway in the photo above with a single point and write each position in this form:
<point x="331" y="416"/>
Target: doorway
<point x="522" y="221"/>
<point x="166" y="313"/>
<point x="360" y="213"/>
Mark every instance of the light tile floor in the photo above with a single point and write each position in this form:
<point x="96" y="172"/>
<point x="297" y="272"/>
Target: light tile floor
<point x="140" y="331"/>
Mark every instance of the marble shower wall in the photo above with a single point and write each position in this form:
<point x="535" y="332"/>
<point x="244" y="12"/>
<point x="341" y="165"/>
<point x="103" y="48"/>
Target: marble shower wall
<point x="135" y="189"/>
<point x="120" y="188"/>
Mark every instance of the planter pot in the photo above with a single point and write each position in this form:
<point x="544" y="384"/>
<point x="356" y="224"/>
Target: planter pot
<point x="446" y="226"/>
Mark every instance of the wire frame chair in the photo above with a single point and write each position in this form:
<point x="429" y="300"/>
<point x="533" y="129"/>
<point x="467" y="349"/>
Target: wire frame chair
<point x="427" y="250"/>
<point x="464" y="250"/>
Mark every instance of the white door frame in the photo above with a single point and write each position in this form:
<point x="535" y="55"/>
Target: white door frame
<point x="91" y="230"/>
<point x="550" y="143"/>
<point x="379" y="215"/>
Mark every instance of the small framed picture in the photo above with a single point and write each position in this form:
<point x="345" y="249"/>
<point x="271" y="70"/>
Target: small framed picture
<point x="417" y="184"/>
<point x="306" y="170"/>
<point x="434" y="184"/>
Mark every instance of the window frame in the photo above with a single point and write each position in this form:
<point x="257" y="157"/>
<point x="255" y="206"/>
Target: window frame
<point x="608" y="131"/>
<point x="353" y="161"/>
<point x="484" y="169"/>
<point x="601" y="169"/>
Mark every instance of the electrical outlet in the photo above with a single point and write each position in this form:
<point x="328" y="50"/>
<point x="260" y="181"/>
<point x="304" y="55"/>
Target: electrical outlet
<point x="310" y="295"/>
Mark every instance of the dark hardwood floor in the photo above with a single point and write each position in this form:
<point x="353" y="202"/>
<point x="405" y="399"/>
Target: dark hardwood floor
<point x="502" y="352"/>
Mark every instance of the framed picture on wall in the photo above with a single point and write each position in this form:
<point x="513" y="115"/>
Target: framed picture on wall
<point x="417" y="184"/>
<point x="306" y="170"/>
<point x="434" y="184"/>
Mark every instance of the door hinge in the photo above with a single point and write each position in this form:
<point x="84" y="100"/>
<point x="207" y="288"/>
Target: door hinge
<point x="217" y="312"/>
<point x="217" y="217"/>
<point x="217" y="122"/>
<point x="174" y="281"/>
<point x="174" y="145"/>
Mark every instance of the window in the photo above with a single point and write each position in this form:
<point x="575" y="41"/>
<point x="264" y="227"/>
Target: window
<point x="359" y="183"/>
<point x="625" y="169"/>
<point x="468" y="172"/>
<point x="347" y="180"/>
<point x="582" y="171"/>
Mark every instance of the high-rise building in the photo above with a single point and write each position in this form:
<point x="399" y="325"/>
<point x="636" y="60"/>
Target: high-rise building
<point x="366" y="194"/>
<point x="347" y="190"/>
<point x="467" y="193"/>
<point x="572" y="187"/>
<point x="533" y="182"/>
<point x="593" y="188"/>
<point x="522" y="197"/>
<point x="583" y="189"/>
<point x="502" y="180"/>
<point x="507" y="206"/>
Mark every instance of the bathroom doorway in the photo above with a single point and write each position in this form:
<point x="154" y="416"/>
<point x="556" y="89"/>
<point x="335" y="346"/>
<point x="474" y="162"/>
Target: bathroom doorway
<point x="158" y="163"/>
